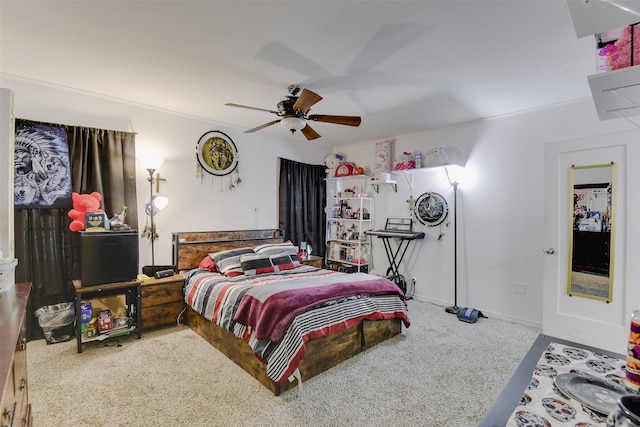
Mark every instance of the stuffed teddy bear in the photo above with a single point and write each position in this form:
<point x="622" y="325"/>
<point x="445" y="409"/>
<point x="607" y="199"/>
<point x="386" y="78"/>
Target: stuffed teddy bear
<point x="332" y="161"/>
<point x="83" y="203"/>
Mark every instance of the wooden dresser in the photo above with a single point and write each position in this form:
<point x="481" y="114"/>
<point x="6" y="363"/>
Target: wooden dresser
<point x="162" y="301"/>
<point x="15" y="409"/>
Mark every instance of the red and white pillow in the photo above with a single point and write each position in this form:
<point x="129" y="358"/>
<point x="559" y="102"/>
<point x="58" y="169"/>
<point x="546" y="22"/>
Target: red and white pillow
<point x="208" y="263"/>
<point x="255" y="264"/>
<point x="228" y="262"/>
<point x="267" y="258"/>
<point x="282" y="261"/>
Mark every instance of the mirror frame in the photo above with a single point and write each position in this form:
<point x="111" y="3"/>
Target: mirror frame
<point x="611" y="228"/>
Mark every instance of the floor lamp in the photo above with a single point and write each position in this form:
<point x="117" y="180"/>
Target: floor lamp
<point x="152" y="164"/>
<point x="454" y="309"/>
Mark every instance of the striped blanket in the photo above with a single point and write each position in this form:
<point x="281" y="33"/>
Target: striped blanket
<point x="277" y="313"/>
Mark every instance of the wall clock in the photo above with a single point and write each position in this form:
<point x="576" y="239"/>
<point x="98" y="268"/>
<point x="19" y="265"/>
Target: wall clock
<point x="217" y="153"/>
<point x="431" y="209"/>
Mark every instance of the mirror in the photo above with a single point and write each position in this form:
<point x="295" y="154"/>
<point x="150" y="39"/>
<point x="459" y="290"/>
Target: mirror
<point x="591" y="231"/>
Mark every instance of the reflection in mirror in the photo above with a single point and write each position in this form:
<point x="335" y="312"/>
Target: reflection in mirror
<point x="591" y="231"/>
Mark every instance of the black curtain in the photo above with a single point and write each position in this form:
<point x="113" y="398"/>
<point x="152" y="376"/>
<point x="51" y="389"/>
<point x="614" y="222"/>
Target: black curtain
<point x="47" y="251"/>
<point x="302" y="201"/>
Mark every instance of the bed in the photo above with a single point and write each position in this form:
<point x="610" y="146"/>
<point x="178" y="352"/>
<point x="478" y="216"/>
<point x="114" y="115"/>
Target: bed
<point x="270" y="319"/>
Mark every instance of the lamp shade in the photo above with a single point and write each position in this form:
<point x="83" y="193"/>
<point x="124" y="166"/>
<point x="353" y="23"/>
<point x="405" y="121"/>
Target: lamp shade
<point x="293" y="123"/>
<point x="151" y="162"/>
<point x="159" y="203"/>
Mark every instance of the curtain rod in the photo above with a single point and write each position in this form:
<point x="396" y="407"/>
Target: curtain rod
<point x="67" y="125"/>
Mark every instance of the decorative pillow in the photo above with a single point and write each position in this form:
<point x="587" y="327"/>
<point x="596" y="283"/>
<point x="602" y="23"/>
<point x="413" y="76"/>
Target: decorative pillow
<point x="256" y="264"/>
<point x="282" y="261"/>
<point x="228" y="262"/>
<point x="277" y="249"/>
<point x="207" y="263"/>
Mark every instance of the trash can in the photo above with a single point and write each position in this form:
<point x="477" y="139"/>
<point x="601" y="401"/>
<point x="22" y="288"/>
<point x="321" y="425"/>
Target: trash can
<point x="56" y="321"/>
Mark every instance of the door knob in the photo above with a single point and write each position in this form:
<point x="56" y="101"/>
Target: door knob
<point x="550" y="251"/>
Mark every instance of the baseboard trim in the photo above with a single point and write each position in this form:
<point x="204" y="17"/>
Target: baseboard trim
<point x="533" y="325"/>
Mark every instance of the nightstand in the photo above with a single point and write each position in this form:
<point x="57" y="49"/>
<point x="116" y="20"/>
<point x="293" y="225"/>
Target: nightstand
<point x="131" y="291"/>
<point x="314" y="261"/>
<point x="162" y="301"/>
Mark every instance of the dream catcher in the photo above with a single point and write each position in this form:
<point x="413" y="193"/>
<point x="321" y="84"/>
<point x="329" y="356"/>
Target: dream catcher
<point x="149" y="231"/>
<point x="217" y="155"/>
<point x="431" y="209"/>
<point x="152" y="208"/>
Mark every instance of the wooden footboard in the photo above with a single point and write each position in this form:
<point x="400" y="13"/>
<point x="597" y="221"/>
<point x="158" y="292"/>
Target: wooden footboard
<point x="322" y="353"/>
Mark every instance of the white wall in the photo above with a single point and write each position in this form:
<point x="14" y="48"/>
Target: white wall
<point x="7" y="244"/>
<point x="500" y="220"/>
<point x="500" y="208"/>
<point x="195" y="204"/>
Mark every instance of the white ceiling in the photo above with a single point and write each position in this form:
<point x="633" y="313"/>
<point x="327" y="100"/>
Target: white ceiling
<point x="404" y="66"/>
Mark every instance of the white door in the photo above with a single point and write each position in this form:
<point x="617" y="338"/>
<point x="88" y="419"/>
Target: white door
<point x="583" y="320"/>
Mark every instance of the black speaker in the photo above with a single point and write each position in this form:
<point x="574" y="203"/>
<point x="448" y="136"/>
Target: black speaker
<point x="164" y="273"/>
<point x="150" y="270"/>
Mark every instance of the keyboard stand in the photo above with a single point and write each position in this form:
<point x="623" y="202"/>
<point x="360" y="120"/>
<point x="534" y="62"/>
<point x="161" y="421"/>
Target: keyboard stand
<point x="393" y="231"/>
<point x="394" y="265"/>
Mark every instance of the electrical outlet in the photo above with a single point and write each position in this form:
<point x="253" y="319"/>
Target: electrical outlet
<point x="519" y="288"/>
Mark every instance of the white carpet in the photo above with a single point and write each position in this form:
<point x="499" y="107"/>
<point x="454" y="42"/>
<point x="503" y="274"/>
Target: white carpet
<point x="439" y="372"/>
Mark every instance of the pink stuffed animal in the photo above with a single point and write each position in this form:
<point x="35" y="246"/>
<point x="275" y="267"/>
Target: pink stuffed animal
<point x="83" y="203"/>
<point x="620" y="52"/>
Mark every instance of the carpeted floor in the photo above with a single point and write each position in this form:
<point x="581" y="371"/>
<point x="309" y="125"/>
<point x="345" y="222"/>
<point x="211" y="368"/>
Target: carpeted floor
<point x="439" y="372"/>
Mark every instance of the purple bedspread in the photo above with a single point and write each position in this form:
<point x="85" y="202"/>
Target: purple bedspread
<point x="268" y="310"/>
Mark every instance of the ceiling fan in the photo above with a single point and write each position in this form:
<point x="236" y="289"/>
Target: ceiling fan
<point x="294" y="112"/>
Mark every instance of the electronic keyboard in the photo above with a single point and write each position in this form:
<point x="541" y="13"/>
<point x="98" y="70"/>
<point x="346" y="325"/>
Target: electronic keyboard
<point x="401" y="234"/>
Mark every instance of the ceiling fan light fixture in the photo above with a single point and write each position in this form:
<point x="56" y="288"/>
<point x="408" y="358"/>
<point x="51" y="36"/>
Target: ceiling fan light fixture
<point x="293" y="124"/>
<point x="292" y="113"/>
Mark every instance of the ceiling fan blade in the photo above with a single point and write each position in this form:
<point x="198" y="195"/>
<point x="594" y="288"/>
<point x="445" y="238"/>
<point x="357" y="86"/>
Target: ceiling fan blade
<point x="310" y="133"/>
<point x="229" y="104"/>
<point x="339" y="120"/>
<point x="261" y="126"/>
<point x="306" y="100"/>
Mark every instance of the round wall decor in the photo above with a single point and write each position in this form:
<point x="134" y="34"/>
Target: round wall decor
<point x="431" y="209"/>
<point x="217" y="153"/>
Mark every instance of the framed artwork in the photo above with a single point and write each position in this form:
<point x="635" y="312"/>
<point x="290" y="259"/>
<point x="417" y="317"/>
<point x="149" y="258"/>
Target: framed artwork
<point x="431" y="209"/>
<point x="217" y="153"/>
<point x="42" y="177"/>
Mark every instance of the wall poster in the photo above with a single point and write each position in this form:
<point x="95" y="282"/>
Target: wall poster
<point x="42" y="176"/>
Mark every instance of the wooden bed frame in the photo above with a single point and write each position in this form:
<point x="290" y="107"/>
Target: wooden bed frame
<point x="323" y="353"/>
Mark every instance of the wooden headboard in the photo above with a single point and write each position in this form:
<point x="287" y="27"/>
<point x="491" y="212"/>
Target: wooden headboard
<point x="190" y="248"/>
